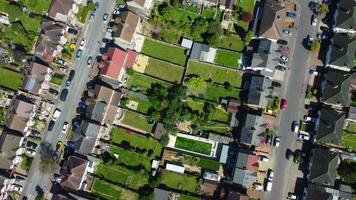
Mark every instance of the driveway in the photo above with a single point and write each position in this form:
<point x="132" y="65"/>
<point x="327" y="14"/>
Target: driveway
<point x="296" y="82"/>
<point x="93" y="36"/>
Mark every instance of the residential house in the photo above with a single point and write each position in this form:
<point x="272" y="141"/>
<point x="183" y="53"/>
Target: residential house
<point x="246" y="167"/>
<point x="140" y="7"/>
<point x="10" y="151"/>
<point x="351" y="115"/>
<point x="341" y="52"/>
<point x="103" y="104"/>
<point x="227" y="5"/>
<point x="85" y="137"/>
<point x="330" y="126"/>
<point x="202" y="52"/>
<point x="266" y="58"/>
<point x="260" y="91"/>
<point x="270" y="23"/>
<point x="124" y="27"/>
<point x="324" y="166"/>
<point x="63" y="10"/>
<point x="209" y="187"/>
<point x="113" y="62"/>
<point x="345" y="17"/>
<point x="186" y="43"/>
<point x="36" y="78"/>
<point x="318" y="192"/>
<point x="53" y="36"/>
<point x="233" y="195"/>
<point x="336" y="88"/>
<point x="253" y="130"/>
<point x="20" y="115"/>
<point x="74" y="172"/>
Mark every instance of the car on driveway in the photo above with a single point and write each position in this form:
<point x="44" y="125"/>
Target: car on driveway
<point x="82" y="44"/>
<point x="91" y="17"/>
<point x="283" y="42"/>
<point x="269" y="139"/>
<point x="276" y="84"/>
<point x="64" y="93"/>
<point x="270" y="174"/>
<point x="284" y="58"/>
<point x="295" y="127"/>
<point x="314" y="20"/>
<point x="291" y="15"/>
<point x="65" y="127"/>
<point x="284" y="104"/>
<point x="277" y="141"/>
<point x="263" y="158"/>
<point x="105" y="17"/>
<point x="289" y="154"/>
<point x="304" y="136"/>
<point x="51" y="125"/>
<point x="79" y="53"/>
<point x="53" y="91"/>
<point x="287" y="32"/>
<point x="280" y="68"/>
<point x="90" y="61"/>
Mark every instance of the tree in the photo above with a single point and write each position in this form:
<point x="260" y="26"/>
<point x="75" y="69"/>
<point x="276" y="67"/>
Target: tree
<point x="247" y="17"/>
<point x="347" y="171"/>
<point x="323" y="9"/>
<point x="47" y="163"/>
<point x="197" y="83"/>
<point x="199" y="27"/>
<point x="129" y="71"/>
<point x="248" y="37"/>
<point x="315" y="46"/>
<point x="213" y="34"/>
<point x="164" y="139"/>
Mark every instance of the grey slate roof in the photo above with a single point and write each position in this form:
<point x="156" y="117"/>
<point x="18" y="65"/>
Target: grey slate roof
<point x="9" y="143"/>
<point x="197" y="49"/>
<point x="337" y="88"/>
<point x="324" y="166"/>
<point x="85" y="136"/>
<point x="345" y="15"/>
<point x="160" y="194"/>
<point x="259" y="92"/>
<point x="330" y="128"/>
<point x="315" y="192"/>
<point x="341" y="51"/>
<point x="253" y="130"/>
<point x="244" y="177"/>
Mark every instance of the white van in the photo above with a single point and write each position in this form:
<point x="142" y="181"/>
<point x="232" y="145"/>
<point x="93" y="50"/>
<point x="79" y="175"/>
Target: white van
<point x="269" y="186"/>
<point x="56" y="114"/>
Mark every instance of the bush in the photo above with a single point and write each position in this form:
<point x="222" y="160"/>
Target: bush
<point x="315" y="46"/>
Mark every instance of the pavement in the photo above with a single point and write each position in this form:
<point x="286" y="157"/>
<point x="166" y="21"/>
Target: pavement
<point x="94" y="33"/>
<point x="285" y="171"/>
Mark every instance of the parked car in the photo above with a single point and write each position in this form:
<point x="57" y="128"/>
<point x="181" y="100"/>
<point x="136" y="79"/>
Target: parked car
<point x="64" y="94"/>
<point x="280" y="68"/>
<point x="15" y="187"/>
<point x="263" y="158"/>
<point x="295" y="127"/>
<point x="292" y="196"/>
<point x="276" y="84"/>
<point x="53" y="91"/>
<point x="284" y="58"/>
<point x="30" y="152"/>
<point x="268" y="186"/>
<point x="310" y="40"/>
<point x="51" y="125"/>
<point x="65" y="127"/>
<point x="270" y="174"/>
<point x="31" y="145"/>
<point x="287" y="32"/>
<point x="92" y="17"/>
<point x="314" y="20"/>
<point x="35" y="134"/>
<point x="284" y="104"/>
<point x="105" y="17"/>
<point x="72" y="31"/>
<point x="289" y="154"/>
<point x="277" y="141"/>
<point x="82" y="44"/>
<point x="56" y="114"/>
<point x="96" y="6"/>
<point x="315" y="73"/>
<point x="79" y="53"/>
<point x="89" y="61"/>
<point x="283" y="42"/>
<point x="71" y="75"/>
<point x="291" y="14"/>
<point x="304" y="136"/>
<point x="269" y="139"/>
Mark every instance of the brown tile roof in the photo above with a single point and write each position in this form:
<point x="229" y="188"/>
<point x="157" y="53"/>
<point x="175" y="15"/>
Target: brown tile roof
<point x="138" y="2"/>
<point x="60" y="6"/>
<point x="125" y="26"/>
<point x="45" y="49"/>
<point x="73" y="171"/>
<point x="272" y="17"/>
<point x="233" y="195"/>
<point x="18" y="114"/>
<point x="9" y="143"/>
<point x="209" y="187"/>
<point x="34" y="77"/>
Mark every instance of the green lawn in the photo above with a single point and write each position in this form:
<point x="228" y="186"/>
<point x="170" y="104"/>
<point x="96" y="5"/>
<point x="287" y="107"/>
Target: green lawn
<point x="198" y="105"/>
<point x="84" y="11"/>
<point x="137" y="120"/>
<point x="186" y="197"/>
<point x="140" y="82"/>
<point x="37" y="6"/>
<point x="26" y="163"/>
<point x="246" y="5"/>
<point x="349" y="140"/>
<point x="182" y="182"/>
<point x="9" y="79"/>
<point x="227" y="58"/>
<point x="164" y="51"/>
<point x="131" y="158"/>
<point x="233" y="42"/>
<point x="215" y="92"/>
<point x="165" y="71"/>
<point x="216" y="127"/>
<point x="131" y="178"/>
<point x="193" y="145"/>
<point x="118" y="135"/>
<point x="143" y="106"/>
<point x="57" y="78"/>
<point x="215" y="73"/>
<point x="109" y="191"/>
<point x="200" y="162"/>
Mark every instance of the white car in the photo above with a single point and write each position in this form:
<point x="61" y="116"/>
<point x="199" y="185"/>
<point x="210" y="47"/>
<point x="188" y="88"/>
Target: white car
<point x="295" y="127"/>
<point x="65" y="127"/>
<point x="263" y="158"/>
<point x="292" y="196"/>
<point x="257" y="186"/>
<point x="270" y="174"/>
<point x="15" y="187"/>
<point x="287" y="32"/>
<point x="314" y="20"/>
<point x="284" y="58"/>
<point x="82" y="44"/>
<point x="304" y="136"/>
<point x="277" y="141"/>
<point x="268" y="186"/>
<point x="31" y="152"/>
<point x="56" y="114"/>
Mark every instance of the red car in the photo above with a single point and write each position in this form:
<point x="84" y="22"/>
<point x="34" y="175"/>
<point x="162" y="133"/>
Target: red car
<point x="284" y="104"/>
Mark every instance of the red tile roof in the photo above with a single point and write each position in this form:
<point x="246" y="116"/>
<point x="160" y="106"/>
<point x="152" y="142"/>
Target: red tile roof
<point x="114" y="60"/>
<point x="252" y="163"/>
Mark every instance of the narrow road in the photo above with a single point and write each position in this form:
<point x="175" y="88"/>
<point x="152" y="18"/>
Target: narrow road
<point x="94" y="33"/>
<point x="295" y="87"/>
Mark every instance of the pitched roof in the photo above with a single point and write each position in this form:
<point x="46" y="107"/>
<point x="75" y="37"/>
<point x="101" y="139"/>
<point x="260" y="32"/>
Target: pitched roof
<point x="18" y="114"/>
<point x="138" y="2"/>
<point x="34" y="77"/>
<point x="337" y="88"/>
<point x="271" y="24"/>
<point x="114" y="60"/>
<point x="73" y="171"/>
<point x="324" y="166"/>
<point x="46" y="50"/>
<point x="345" y="14"/>
<point x="244" y="177"/>
<point x="198" y="49"/>
<point x="9" y="143"/>
<point x="229" y="4"/>
<point x="85" y="136"/>
<point x="330" y="126"/>
<point x="125" y="26"/>
<point x="341" y="51"/>
<point x="53" y="31"/>
<point x="246" y="160"/>
<point x="253" y="130"/>
<point x="159" y="131"/>
<point x="260" y="89"/>
<point x="315" y="192"/>
<point x="103" y="105"/>
<point x="62" y="7"/>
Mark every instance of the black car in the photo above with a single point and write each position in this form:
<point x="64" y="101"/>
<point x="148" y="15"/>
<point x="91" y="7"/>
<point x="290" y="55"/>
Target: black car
<point x="269" y="139"/>
<point x="64" y="94"/>
<point x="276" y="84"/>
<point x="289" y="154"/>
<point x="105" y="16"/>
<point x="53" y="91"/>
<point x="51" y="125"/>
<point x="281" y="68"/>
<point x="283" y="42"/>
<point x="72" y="31"/>
<point x="71" y="75"/>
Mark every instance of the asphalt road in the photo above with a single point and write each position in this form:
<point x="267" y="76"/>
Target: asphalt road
<point x="94" y="33"/>
<point x="294" y="93"/>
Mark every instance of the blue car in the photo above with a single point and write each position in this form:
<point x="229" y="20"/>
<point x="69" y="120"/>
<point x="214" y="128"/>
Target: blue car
<point x="292" y="15"/>
<point x="79" y="54"/>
